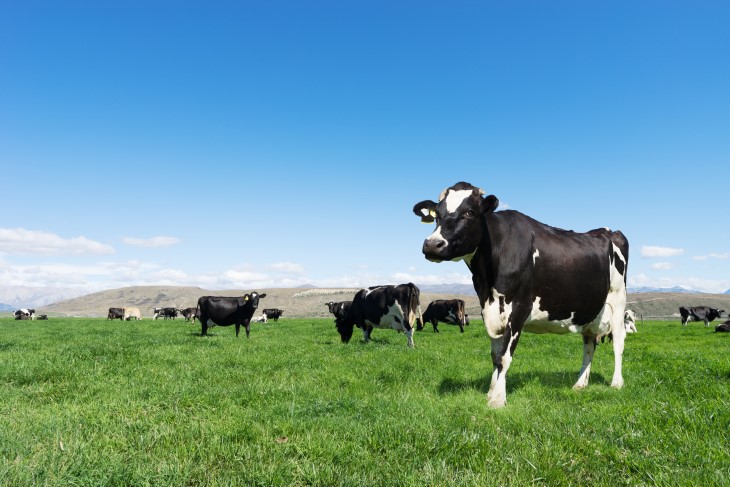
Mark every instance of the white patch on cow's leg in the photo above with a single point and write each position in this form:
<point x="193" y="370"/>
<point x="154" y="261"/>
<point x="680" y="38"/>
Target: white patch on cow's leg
<point x="618" y="330"/>
<point x="589" y="348"/>
<point x="497" y="396"/>
<point x="409" y="336"/>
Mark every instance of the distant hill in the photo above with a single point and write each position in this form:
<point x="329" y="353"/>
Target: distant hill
<point x="675" y="289"/>
<point x="310" y="302"/>
<point x="467" y="289"/>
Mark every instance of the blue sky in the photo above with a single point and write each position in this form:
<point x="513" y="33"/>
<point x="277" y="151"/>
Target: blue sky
<point x="274" y="144"/>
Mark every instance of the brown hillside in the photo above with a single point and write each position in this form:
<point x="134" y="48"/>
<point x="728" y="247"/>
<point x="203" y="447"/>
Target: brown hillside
<point x="299" y="303"/>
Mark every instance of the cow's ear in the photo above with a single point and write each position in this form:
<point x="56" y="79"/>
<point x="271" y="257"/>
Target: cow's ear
<point x="426" y="210"/>
<point x="489" y="204"/>
<point x="262" y="295"/>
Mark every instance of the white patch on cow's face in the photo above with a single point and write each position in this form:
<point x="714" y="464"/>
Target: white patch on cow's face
<point x="454" y="199"/>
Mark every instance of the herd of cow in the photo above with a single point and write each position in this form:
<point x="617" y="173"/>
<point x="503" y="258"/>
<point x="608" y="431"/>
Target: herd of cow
<point x="528" y="276"/>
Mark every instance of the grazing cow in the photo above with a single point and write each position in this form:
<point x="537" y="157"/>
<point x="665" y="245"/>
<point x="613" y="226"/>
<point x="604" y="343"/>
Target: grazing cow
<point x="723" y="328"/>
<point x="189" y="314"/>
<point x="130" y="313"/>
<point x="531" y="277"/>
<point x="382" y="307"/>
<point x="24" y="314"/>
<point x="225" y="311"/>
<point x="42" y="317"/>
<point x="169" y="313"/>
<point x="446" y="311"/>
<point x="339" y="308"/>
<point x="699" y="313"/>
<point x="156" y="313"/>
<point x="115" y="313"/>
<point x="273" y="313"/>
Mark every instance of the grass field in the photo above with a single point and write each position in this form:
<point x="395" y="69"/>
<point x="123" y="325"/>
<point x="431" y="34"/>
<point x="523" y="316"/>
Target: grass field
<point x="92" y="402"/>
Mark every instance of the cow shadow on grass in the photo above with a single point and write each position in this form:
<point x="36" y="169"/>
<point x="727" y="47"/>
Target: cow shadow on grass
<point x="516" y="381"/>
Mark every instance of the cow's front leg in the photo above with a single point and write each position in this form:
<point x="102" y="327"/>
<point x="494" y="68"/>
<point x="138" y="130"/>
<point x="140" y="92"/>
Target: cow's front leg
<point x="497" y="395"/>
<point x="589" y="348"/>
<point x="248" y="328"/>
<point x="238" y="328"/>
<point x="366" y="333"/>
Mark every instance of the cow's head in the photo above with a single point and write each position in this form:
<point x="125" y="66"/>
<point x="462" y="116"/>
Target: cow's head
<point x="253" y="299"/>
<point x="344" y="328"/>
<point x="459" y="217"/>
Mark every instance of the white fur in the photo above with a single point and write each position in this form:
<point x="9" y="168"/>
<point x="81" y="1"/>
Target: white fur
<point x="454" y="199"/>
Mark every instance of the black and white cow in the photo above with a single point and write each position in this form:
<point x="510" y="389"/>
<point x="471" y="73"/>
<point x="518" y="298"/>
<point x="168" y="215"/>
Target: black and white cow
<point x="446" y="311"/>
<point x="189" y="314"/>
<point x="723" y="328"/>
<point x="115" y="313"/>
<point x="24" y="314"/>
<point x="699" y="313"/>
<point x="394" y="307"/>
<point x="531" y="277"/>
<point x="273" y="313"/>
<point x="226" y="311"/>
<point x="42" y="317"/>
<point x="339" y="308"/>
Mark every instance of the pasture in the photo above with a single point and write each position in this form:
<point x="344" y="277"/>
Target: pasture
<point x="89" y="402"/>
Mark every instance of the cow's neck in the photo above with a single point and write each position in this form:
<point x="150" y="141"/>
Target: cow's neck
<point x="482" y="266"/>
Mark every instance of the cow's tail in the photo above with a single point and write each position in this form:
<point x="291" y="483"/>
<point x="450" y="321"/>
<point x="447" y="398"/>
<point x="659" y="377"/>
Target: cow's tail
<point x="414" y="304"/>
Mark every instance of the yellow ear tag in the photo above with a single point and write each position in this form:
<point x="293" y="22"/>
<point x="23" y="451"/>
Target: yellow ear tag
<point x="432" y="213"/>
<point x="245" y="298"/>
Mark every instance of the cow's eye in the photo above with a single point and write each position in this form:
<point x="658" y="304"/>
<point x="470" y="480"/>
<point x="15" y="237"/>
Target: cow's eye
<point x="469" y="214"/>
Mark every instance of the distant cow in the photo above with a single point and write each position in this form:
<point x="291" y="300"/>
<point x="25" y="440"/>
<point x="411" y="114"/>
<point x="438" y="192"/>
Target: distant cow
<point x="630" y="321"/>
<point x="42" y="317"/>
<point x="723" y="328"/>
<point x="156" y="313"/>
<point x="115" y="313"/>
<point x="531" y="277"/>
<point x="189" y="314"/>
<point x="382" y="307"/>
<point x="24" y="314"/>
<point x="446" y="311"/>
<point x="260" y="319"/>
<point x="130" y="313"/>
<point x="169" y="313"/>
<point x="699" y="313"/>
<point x="226" y="311"/>
<point x="339" y="308"/>
<point x="273" y="313"/>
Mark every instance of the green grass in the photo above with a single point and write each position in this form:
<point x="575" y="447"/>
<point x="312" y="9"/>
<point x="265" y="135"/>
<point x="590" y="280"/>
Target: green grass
<point x="92" y="402"/>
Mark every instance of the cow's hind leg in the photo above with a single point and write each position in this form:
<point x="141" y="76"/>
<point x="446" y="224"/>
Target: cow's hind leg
<point x="203" y="326"/>
<point x="589" y="348"/>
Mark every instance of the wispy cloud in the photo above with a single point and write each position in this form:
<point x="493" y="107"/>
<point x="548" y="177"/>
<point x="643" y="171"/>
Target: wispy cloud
<point x="662" y="266"/>
<point x="152" y="242"/>
<point x="650" y="251"/>
<point x="21" y="241"/>
<point x="724" y="256"/>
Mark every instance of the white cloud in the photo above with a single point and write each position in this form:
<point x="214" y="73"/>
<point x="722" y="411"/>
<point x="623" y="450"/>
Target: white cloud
<point x="662" y="266"/>
<point x="286" y="267"/>
<point x="650" y="251"/>
<point x="20" y="241"/>
<point x="152" y="242"/>
<point x="724" y="256"/>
